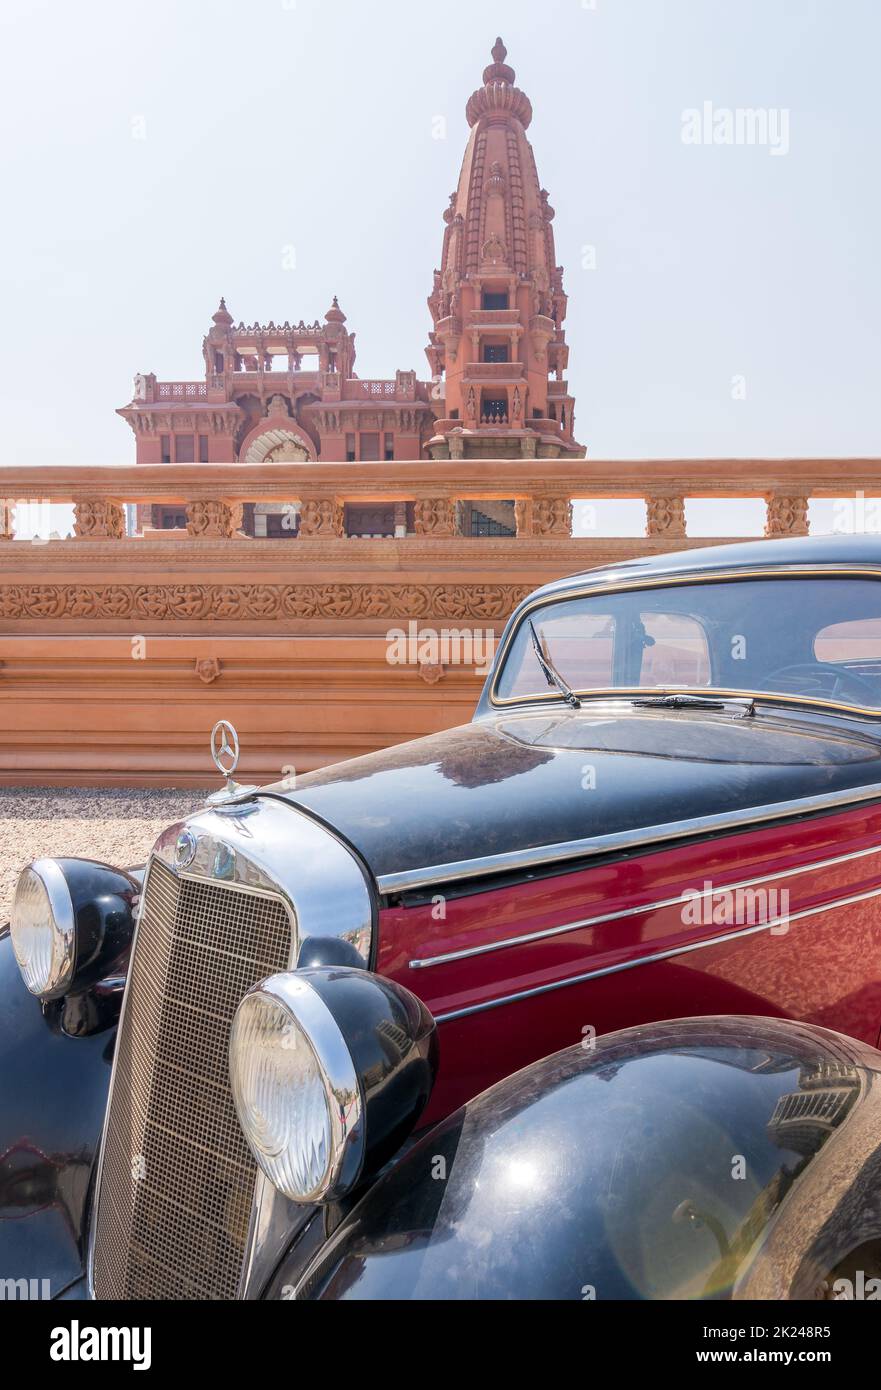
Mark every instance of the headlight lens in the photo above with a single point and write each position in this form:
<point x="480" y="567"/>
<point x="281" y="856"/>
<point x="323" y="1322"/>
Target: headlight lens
<point x="42" y="928"/>
<point x="296" y="1090"/>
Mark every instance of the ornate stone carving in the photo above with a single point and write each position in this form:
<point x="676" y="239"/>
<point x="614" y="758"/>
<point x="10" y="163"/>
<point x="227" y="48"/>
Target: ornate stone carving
<point x="246" y="602"/>
<point x="323" y="517"/>
<point x="665" y="516"/>
<point x="551" y="516"/>
<point x="493" y="251"/>
<point x="431" y="672"/>
<point x="787" y="514"/>
<point x="435" y="516"/>
<point x="523" y="516"/>
<point x="97" y="519"/>
<point x="208" y="668"/>
<point x="213" y="520"/>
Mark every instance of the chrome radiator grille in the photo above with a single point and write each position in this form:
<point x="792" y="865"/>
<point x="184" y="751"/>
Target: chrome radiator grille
<point x="177" y="1179"/>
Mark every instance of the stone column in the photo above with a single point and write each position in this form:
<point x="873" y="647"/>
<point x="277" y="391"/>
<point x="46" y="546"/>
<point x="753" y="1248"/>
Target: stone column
<point x="7" y="519"/>
<point x="214" y="519"/>
<point x="435" y="516"/>
<point x="97" y="519"/>
<point x="786" y="514"/>
<point x="323" y="516"/>
<point x="665" y="516"/>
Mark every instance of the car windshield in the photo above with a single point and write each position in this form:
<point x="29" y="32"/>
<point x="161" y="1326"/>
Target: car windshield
<point x="794" y="639"/>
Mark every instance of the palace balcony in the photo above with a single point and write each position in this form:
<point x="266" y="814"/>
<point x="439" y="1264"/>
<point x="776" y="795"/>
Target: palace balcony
<point x="495" y="373"/>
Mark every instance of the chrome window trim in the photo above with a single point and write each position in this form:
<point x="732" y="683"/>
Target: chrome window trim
<point x="540" y="855"/>
<point x="554" y="985"/>
<point x="564" y="927"/>
<point x="289" y="862"/>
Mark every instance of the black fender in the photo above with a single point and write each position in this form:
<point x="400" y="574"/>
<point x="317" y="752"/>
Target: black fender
<point x="712" y="1158"/>
<point x="53" y="1095"/>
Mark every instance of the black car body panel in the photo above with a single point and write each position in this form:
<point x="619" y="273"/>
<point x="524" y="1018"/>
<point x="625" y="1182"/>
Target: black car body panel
<point x="516" y="782"/>
<point x="53" y="1094"/>
<point x="702" y="1159"/>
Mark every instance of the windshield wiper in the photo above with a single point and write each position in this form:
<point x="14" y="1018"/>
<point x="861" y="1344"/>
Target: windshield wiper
<point x="551" y="674"/>
<point x="680" y="701"/>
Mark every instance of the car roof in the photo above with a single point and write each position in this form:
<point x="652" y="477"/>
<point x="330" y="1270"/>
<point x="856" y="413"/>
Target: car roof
<point x="862" y="550"/>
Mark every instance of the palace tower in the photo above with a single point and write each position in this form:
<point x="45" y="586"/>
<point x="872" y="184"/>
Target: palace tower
<point x="498" y="350"/>
<point x="288" y="391"/>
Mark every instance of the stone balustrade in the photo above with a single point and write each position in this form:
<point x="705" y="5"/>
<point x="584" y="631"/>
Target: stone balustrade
<point x="118" y="654"/>
<point x="543" y="491"/>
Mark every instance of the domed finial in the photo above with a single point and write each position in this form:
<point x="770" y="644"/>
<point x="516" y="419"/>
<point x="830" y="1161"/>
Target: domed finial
<point x="335" y="313"/>
<point x="223" y="315"/>
<point x="498" y="70"/>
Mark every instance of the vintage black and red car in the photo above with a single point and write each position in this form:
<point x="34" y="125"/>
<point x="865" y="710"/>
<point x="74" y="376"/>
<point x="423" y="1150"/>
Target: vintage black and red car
<point x="286" y="1058"/>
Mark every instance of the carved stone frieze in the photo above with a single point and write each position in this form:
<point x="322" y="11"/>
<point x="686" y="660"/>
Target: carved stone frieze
<point x="252" y="602"/>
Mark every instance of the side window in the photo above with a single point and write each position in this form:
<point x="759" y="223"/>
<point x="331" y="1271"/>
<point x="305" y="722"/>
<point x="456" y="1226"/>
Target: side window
<point x="676" y="653"/>
<point x="858" y="643"/>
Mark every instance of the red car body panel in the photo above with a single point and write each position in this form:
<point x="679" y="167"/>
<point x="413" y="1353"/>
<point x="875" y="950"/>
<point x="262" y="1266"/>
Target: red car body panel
<point x="822" y="968"/>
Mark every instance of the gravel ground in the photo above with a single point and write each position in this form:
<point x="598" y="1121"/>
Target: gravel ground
<point x="118" y="825"/>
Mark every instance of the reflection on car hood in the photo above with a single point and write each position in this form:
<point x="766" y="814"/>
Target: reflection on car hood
<point x="518" y="782"/>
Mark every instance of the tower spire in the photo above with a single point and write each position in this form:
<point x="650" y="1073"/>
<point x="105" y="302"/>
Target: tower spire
<point x="498" y="302"/>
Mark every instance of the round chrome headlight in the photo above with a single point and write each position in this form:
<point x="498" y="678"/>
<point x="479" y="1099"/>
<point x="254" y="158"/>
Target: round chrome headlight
<point x="42" y="928"/>
<point x="296" y="1090"/>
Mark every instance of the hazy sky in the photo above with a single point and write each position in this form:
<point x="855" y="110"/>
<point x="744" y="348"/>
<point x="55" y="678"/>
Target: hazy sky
<point x="158" y="155"/>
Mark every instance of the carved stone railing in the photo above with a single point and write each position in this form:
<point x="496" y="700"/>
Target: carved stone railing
<point x="140" y="644"/>
<point x="542" y="489"/>
<point x="181" y="390"/>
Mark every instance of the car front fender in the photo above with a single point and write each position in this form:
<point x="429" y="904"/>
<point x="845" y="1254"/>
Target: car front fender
<point x="53" y="1094"/>
<point x="716" y="1158"/>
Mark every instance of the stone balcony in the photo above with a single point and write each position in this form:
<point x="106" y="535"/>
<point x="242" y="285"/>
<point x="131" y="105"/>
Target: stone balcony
<point x="495" y="373"/>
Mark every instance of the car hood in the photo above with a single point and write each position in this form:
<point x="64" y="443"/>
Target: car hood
<point x="512" y="783"/>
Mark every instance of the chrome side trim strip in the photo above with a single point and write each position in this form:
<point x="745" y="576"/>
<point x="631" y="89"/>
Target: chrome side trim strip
<point x="640" y="837"/>
<point x="638" y="911"/>
<point x="649" y="960"/>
